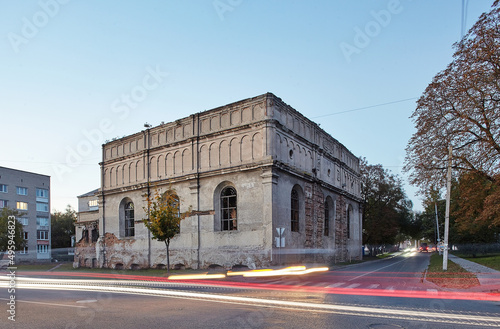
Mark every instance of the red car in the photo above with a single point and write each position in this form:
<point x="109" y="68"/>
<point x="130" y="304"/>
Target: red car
<point x="424" y="248"/>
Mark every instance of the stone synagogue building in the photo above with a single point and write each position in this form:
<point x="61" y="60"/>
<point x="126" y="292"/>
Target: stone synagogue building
<point x="249" y="170"/>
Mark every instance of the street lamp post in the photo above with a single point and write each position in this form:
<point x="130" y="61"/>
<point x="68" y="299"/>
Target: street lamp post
<point x="447" y="214"/>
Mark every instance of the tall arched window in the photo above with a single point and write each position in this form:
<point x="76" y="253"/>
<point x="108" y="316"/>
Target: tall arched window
<point x="173" y="202"/>
<point x="294" y="210"/>
<point x="228" y="209"/>
<point x="349" y="215"/>
<point x="129" y="219"/>
<point x="327" y="219"/>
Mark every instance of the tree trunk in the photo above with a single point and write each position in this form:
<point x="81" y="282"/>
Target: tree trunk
<point x="167" y="243"/>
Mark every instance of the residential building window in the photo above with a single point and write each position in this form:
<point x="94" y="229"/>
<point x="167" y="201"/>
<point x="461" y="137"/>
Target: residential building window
<point x="26" y="235"/>
<point x="43" y="207"/>
<point x="327" y="220"/>
<point x="93" y="205"/>
<point x="22" y="190"/>
<point x="129" y="219"/>
<point x="42" y="248"/>
<point x="23" y="221"/>
<point x="22" y="205"/>
<point x="24" y="251"/>
<point x="42" y="221"/>
<point x="42" y="235"/>
<point x="3" y="188"/>
<point x="3" y="203"/>
<point x="42" y="193"/>
<point x="228" y="209"/>
<point x="294" y="210"/>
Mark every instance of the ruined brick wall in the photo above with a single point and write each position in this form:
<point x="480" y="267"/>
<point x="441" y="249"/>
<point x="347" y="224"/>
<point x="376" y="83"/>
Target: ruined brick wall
<point x="341" y="252"/>
<point x="124" y="254"/>
<point x="314" y="218"/>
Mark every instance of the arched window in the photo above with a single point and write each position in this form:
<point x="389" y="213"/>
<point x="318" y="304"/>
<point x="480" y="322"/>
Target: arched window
<point x="327" y="219"/>
<point x="228" y="209"/>
<point x="172" y="202"/>
<point x="95" y="234"/>
<point x="85" y="235"/>
<point x="349" y="215"/>
<point x="294" y="210"/>
<point x="129" y="219"/>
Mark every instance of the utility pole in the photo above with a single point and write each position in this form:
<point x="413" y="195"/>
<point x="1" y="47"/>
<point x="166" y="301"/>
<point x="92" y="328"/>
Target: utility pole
<point x="447" y="215"/>
<point x="437" y="227"/>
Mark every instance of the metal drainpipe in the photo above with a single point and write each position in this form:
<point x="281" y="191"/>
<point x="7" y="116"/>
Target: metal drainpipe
<point x="198" y="185"/>
<point x="148" y="191"/>
<point x="103" y="210"/>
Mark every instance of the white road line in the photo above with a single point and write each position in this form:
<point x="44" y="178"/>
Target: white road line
<point x="373" y="286"/>
<point x="352" y="286"/>
<point x="362" y="275"/>
<point x="335" y="285"/>
<point x="49" y="304"/>
<point x="391" y="288"/>
<point x="321" y="284"/>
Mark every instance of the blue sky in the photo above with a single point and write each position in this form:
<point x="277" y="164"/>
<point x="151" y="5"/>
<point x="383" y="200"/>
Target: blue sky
<point x="76" y="73"/>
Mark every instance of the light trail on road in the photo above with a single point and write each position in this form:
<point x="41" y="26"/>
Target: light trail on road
<point x="434" y="294"/>
<point x="367" y="311"/>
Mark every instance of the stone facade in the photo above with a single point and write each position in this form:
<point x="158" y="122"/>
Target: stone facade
<point x="87" y="230"/>
<point x="238" y="167"/>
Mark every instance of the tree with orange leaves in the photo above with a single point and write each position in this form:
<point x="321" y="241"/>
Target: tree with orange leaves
<point x="461" y="108"/>
<point x="164" y="217"/>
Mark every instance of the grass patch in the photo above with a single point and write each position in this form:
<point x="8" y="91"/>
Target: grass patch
<point x="35" y="267"/>
<point x="455" y="277"/>
<point x="491" y="261"/>
<point x="385" y="255"/>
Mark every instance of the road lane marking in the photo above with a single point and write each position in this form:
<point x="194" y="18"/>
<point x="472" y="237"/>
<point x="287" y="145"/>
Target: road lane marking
<point x="362" y="275"/>
<point x="86" y="301"/>
<point x="42" y="303"/>
<point x="352" y="286"/>
<point x="336" y="285"/>
<point x="321" y="284"/>
<point x="373" y="286"/>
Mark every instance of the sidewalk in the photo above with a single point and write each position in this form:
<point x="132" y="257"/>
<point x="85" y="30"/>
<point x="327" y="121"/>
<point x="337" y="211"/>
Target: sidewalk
<point x="488" y="277"/>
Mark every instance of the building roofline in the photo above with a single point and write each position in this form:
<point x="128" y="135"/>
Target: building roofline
<point x="215" y="109"/>
<point x="25" y="171"/>
<point x="91" y="193"/>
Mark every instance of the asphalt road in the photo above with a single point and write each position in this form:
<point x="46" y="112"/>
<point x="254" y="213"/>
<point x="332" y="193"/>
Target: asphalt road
<point x="336" y="299"/>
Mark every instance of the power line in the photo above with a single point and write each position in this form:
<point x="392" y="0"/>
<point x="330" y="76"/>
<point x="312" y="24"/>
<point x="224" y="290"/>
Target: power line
<point x="366" y="107"/>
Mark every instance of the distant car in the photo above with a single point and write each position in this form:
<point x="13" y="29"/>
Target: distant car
<point x="424" y="248"/>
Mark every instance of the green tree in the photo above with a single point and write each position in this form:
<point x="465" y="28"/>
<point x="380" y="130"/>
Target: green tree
<point x="62" y="228"/>
<point x="427" y="218"/>
<point x="461" y="108"/>
<point x="164" y="217"/>
<point x="11" y="230"/>
<point x="387" y="214"/>
<point x="473" y="208"/>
